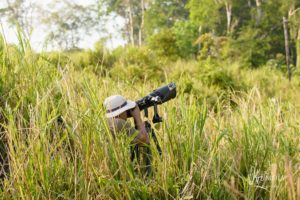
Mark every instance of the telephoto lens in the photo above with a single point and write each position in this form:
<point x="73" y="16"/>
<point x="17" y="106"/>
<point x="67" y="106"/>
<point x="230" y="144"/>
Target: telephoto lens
<point x="158" y="96"/>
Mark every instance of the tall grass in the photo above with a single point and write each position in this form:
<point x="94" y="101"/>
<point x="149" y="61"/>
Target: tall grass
<point x="234" y="142"/>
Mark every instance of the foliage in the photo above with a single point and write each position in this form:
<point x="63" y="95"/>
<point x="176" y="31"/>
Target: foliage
<point x="206" y="16"/>
<point x="186" y="34"/>
<point x="163" y="14"/>
<point x="164" y="44"/>
<point x="232" y="132"/>
<point x="212" y="47"/>
<point x="227" y="127"/>
<point x="101" y="56"/>
<point x="254" y="50"/>
<point x="133" y="62"/>
<point x="253" y="31"/>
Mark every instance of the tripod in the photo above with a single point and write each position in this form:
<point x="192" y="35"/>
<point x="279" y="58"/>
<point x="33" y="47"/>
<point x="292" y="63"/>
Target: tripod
<point x="147" y="155"/>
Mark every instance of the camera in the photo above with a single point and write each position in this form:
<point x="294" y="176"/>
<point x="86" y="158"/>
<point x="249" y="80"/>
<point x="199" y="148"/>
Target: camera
<point x="158" y="96"/>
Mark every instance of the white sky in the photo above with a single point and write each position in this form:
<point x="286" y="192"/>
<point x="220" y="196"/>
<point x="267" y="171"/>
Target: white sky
<point x="88" y="41"/>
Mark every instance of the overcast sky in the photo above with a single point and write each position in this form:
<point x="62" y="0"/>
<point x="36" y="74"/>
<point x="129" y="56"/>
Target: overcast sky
<point x="38" y="35"/>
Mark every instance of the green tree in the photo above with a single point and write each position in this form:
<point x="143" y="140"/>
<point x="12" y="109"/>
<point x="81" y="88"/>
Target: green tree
<point x="162" y="14"/>
<point x="186" y="34"/>
<point x="294" y="18"/>
<point x="254" y="27"/>
<point x="164" y="44"/>
<point x="144" y="17"/>
<point x="205" y="14"/>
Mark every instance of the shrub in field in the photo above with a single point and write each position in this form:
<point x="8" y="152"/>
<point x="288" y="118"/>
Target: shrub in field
<point x="251" y="49"/>
<point x="224" y="78"/>
<point x="80" y="59"/>
<point x="212" y="47"/>
<point x="186" y="34"/>
<point x="164" y="44"/>
<point x="98" y="60"/>
<point x="277" y="63"/>
<point x="101" y="56"/>
<point x="139" y="62"/>
<point x="55" y="58"/>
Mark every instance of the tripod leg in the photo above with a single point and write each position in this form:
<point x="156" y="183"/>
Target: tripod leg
<point x="144" y="154"/>
<point x="153" y="135"/>
<point x="156" y="141"/>
<point x="134" y="153"/>
<point x="148" y="161"/>
<point x="143" y="157"/>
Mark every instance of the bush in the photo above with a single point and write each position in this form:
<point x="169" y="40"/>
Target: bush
<point x="164" y="45"/>
<point x="224" y="77"/>
<point x="97" y="59"/>
<point x="186" y="34"/>
<point x="251" y="48"/>
<point x="213" y="47"/>
<point x="80" y="59"/>
<point x="137" y="62"/>
<point x="101" y="56"/>
<point x="55" y="58"/>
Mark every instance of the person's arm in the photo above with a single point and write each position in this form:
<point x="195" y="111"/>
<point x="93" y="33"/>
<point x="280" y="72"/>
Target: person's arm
<point x="143" y="136"/>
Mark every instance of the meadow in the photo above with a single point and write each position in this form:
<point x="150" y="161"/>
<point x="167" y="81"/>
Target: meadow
<point x="231" y="132"/>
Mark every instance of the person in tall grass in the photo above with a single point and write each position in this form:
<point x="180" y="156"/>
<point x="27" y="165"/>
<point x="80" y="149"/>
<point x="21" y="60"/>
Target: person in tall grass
<point x="118" y="110"/>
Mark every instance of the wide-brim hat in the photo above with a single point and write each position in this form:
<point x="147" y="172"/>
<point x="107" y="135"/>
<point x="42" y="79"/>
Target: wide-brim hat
<point x="117" y="104"/>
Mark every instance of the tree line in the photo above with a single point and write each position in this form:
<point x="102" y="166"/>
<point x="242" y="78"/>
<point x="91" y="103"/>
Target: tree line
<point x="251" y="30"/>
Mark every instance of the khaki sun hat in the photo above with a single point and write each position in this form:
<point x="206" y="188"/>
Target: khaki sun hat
<point x="117" y="104"/>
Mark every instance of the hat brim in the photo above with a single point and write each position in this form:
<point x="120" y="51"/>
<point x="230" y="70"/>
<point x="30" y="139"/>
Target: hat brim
<point x="129" y="105"/>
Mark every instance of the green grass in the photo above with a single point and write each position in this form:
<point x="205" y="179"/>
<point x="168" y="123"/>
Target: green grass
<point x="231" y="133"/>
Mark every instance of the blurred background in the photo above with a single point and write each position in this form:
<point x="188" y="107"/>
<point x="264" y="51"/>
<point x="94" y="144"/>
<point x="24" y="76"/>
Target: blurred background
<point x="248" y="30"/>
